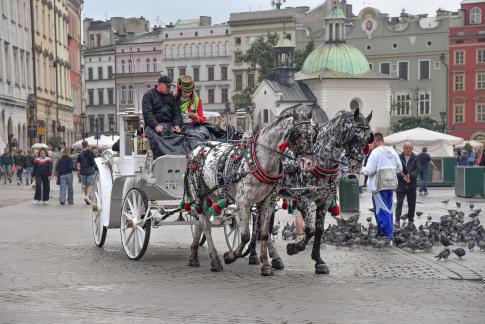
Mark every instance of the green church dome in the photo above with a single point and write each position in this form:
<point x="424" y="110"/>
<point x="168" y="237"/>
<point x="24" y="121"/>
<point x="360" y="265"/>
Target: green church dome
<point x="336" y="57"/>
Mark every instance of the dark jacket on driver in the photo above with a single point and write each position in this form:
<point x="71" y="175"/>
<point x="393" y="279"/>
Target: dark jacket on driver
<point x="160" y="109"/>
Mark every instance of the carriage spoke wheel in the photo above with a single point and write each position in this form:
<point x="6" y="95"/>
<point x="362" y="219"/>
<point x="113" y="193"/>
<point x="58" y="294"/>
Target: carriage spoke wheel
<point x="99" y="230"/>
<point x="232" y="232"/>
<point x="193" y="218"/>
<point x="135" y="228"/>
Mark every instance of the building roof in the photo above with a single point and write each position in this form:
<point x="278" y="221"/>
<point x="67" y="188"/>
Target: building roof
<point x="336" y="57"/>
<point x="297" y="92"/>
<point x="472" y="1"/>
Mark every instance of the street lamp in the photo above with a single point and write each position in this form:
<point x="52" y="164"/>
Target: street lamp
<point x="112" y="127"/>
<point x="443" y="116"/>
<point x="83" y="125"/>
<point x="47" y="117"/>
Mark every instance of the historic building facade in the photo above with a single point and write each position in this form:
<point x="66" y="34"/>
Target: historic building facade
<point x="15" y="72"/>
<point x="411" y="49"/>
<point x="203" y="51"/>
<point x="74" y="48"/>
<point x="466" y="114"/>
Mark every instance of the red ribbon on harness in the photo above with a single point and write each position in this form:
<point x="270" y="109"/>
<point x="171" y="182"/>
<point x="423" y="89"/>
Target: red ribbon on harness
<point x="259" y="173"/>
<point x="322" y="173"/>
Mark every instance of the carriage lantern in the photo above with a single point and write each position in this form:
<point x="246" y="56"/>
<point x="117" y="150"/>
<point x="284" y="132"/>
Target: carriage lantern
<point x="131" y="123"/>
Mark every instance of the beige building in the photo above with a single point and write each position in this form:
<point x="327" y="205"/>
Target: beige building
<point x="54" y="101"/>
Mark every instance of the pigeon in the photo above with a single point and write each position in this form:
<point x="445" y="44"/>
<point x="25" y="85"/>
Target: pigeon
<point x="481" y="245"/>
<point x="460" y="252"/>
<point x="458" y="204"/>
<point x="380" y="244"/>
<point x="445" y="201"/>
<point x="369" y="219"/>
<point x="430" y="218"/>
<point x="472" y="206"/>
<point x="371" y="210"/>
<point x="419" y="214"/>
<point x="443" y="254"/>
<point x="471" y="244"/>
<point x="445" y="241"/>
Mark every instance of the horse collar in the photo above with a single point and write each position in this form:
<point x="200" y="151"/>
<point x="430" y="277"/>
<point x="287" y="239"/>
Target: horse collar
<point x="258" y="171"/>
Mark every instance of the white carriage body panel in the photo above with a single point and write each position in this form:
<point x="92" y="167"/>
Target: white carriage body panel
<point x="106" y="185"/>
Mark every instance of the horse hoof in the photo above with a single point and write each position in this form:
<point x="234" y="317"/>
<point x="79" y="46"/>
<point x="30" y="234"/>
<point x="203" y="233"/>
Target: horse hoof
<point x="254" y="260"/>
<point x="291" y="249"/>
<point x="229" y="257"/>
<point x="277" y="264"/>
<point x="321" y="269"/>
<point x="216" y="265"/>
<point x="194" y="262"/>
<point x="266" y="271"/>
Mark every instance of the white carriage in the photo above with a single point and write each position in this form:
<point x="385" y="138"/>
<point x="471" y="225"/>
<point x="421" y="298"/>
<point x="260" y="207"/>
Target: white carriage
<point x="135" y="193"/>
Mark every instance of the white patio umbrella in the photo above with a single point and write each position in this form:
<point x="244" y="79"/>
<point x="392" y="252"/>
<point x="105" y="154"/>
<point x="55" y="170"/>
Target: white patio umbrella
<point x="104" y="142"/>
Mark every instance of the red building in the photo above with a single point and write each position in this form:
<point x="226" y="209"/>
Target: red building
<point x="466" y="112"/>
<point x="74" y="38"/>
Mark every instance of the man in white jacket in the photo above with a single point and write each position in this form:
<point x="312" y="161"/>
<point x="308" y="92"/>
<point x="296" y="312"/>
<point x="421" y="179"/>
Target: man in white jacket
<point x="382" y="168"/>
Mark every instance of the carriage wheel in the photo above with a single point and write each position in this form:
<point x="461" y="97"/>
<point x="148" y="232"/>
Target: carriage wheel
<point x="232" y="233"/>
<point x="192" y="228"/>
<point x="99" y="230"/>
<point x="135" y="228"/>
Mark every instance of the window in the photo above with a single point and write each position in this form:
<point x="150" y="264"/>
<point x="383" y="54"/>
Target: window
<point x="92" y="127"/>
<point x="100" y="73"/>
<point x="110" y="72"/>
<point x="237" y="40"/>
<point x="224" y="95"/>
<point x="251" y="80"/>
<point x="385" y="68"/>
<point x="123" y="67"/>
<point x="170" y="73"/>
<point x="130" y="66"/>
<point x="123" y="94"/>
<point x="100" y="96"/>
<point x="223" y="72"/>
<point x="424" y="103"/>
<point x="210" y="73"/>
<point x="110" y="96"/>
<point x="480" y="80"/>
<point x="481" y="112"/>
<point x="182" y="71"/>
<point x="481" y="56"/>
<point x="459" y="57"/>
<point x="403" y="70"/>
<point x="403" y="104"/>
<point x="91" y="97"/>
<point x="101" y="123"/>
<point x="210" y="94"/>
<point x="130" y="95"/>
<point x="91" y="40"/>
<point x="155" y="65"/>
<point x="238" y="57"/>
<point x="239" y="83"/>
<point x="148" y="64"/>
<point x="90" y="73"/>
<point x="424" y="73"/>
<point x="475" y="16"/>
<point x="371" y="66"/>
<point x="265" y="116"/>
<point x="196" y="74"/>
<point x="98" y="40"/>
<point x="459" y="85"/>
<point x="459" y="116"/>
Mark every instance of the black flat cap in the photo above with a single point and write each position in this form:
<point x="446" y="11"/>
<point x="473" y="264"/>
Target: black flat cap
<point x="165" y="79"/>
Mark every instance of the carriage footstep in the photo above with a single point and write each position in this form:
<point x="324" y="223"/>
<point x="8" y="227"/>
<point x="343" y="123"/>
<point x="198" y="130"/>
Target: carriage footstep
<point x="254" y="260"/>
<point x="277" y="264"/>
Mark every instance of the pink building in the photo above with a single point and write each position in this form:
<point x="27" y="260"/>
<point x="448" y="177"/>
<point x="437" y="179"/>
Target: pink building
<point x="138" y="66"/>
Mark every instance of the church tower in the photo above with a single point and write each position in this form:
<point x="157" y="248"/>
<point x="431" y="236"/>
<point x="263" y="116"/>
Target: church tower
<point x="284" y="72"/>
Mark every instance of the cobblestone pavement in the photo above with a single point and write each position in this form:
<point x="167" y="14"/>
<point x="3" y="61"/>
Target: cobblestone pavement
<point x="51" y="272"/>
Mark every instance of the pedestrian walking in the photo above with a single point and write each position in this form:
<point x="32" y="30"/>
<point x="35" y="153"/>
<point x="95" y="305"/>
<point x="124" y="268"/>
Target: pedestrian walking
<point x="42" y="172"/>
<point x="29" y="166"/>
<point x="471" y="158"/>
<point x="424" y="162"/>
<point x="407" y="183"/>
<point x="63" y="172"/>
<point x="19" y="162"/>
<point x="86" y="168"/>
<point x="382" y="168"/>
<point x="6" y="161"/>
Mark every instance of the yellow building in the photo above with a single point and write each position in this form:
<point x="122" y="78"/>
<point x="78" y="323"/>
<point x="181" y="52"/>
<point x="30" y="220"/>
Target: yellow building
<point x="54" y="102"/>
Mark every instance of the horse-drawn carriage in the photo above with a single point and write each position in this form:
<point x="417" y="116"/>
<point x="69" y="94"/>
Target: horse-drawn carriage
<point x="135" y="193"/>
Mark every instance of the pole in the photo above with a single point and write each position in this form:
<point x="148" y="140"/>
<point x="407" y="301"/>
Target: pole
<point x="97" y="133"/>
<point x="56" y="64"/>
<point x="34" y="67"/>
<point x="442" y="58"/>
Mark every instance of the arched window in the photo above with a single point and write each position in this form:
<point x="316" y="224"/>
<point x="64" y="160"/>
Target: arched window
<point x="476" y="16"/>
<point x="130" y="66"/>
<point x="265" y="116"/>
<point x="155" y="65"/>
<point x="130" y="95"/>
<point x="354" y="104"/>
<point x="148" y="65"/>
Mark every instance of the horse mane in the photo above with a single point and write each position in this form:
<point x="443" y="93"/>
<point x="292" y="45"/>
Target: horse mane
<point x="284" y="115"/>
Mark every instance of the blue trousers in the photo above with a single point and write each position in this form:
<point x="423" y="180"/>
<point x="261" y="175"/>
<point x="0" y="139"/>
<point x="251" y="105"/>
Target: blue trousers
<point x="382" y="202"/>
<point x="66" y="185"/>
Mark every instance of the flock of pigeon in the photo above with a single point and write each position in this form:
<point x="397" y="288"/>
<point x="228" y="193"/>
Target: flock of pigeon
<point x="456" y="229"/>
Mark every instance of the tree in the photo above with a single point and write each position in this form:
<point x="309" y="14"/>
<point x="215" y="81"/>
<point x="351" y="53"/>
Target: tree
<point x="301" y="55"/>
<point x="243" y="99"/>
<point x="261" y="55"/>
<point x="407" y="123"/>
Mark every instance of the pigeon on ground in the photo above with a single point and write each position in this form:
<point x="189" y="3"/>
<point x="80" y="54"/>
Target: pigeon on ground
<point x="481" y="245"/>
<point x="445" y="201"/>
<point x="371" y="210"/>
<point x="380" y="244"/>
<point x="472" y="206"/>
<point x="445" y="241"/>
<point x="471" y="244"/>
<point x="458" y="204"/>
<point x="419" y="214"/>
<point x="460" y="252"/>
<point x="443" y="254"/>
<point x="369" y="219"/>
